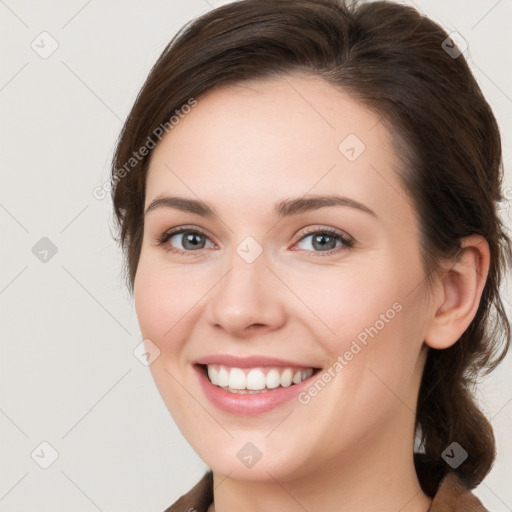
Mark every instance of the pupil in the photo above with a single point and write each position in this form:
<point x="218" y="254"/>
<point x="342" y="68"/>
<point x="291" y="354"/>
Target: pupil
<point x="189" y="239"/>
<point x="323" y="245"/>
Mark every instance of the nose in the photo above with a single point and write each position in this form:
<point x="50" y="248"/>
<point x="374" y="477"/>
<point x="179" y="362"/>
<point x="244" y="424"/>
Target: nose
<point x="249" y="299"/>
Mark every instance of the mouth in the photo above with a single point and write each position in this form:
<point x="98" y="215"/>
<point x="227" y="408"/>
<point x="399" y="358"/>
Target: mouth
<point x="227" y="387"/>
<point x="255" y="380"/>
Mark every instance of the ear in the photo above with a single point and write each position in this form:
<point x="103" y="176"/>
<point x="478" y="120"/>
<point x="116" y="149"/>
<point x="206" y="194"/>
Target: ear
<point x="459" y="293"/>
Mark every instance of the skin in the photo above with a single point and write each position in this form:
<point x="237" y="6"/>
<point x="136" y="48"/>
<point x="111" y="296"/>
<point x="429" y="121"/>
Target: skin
<point x="242" y="149"/>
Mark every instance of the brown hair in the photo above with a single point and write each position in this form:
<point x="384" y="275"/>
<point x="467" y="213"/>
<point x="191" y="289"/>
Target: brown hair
<point x="392" y="59"/>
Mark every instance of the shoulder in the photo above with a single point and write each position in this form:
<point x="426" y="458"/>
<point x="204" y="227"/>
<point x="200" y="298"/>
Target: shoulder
<point x="454" y="496"/>
<point x="198" y="499"/>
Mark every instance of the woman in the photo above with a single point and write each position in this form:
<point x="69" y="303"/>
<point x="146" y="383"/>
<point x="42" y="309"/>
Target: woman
<point x="307" y="196"/>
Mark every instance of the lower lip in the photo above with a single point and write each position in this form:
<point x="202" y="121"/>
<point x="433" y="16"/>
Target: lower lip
<point x="248" y="404"/>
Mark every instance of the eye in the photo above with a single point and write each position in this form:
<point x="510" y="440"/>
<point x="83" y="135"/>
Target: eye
<point x="326" y="241"/>
<point x="193" y="241"/>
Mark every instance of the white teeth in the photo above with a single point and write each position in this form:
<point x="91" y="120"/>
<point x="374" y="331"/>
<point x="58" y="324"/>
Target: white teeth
<point x="222" y="376"/>
<point x="236" y="379"/>
<point x="273" y="380"/>
<point x="255" y="380"/>
<point x="286" y="377"/>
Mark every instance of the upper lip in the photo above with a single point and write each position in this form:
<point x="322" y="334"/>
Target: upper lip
<point x="248" y="362"/>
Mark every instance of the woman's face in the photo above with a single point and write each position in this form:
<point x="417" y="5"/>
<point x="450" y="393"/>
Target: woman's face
<point x="261" y="277"/>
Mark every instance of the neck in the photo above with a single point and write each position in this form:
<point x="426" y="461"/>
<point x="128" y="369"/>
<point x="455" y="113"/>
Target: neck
<point x="376" y="475"/>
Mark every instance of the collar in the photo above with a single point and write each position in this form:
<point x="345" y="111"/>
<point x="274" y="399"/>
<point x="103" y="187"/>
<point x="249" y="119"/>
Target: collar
<point x="451" y="496"/>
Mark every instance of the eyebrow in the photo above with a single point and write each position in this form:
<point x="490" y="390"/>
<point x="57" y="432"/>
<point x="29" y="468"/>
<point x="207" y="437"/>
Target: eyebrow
<point x="284" y="208"/>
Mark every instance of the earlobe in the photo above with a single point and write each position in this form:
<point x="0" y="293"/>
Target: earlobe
<point x="459" y="295"/>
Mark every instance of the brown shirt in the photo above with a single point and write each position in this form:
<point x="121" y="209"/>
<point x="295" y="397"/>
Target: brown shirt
<point x="451" y="496"/>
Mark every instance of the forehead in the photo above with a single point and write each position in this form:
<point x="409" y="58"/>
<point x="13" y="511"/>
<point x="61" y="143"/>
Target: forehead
<point x="278" y="138"/>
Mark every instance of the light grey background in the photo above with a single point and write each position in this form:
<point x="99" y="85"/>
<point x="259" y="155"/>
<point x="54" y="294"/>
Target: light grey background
<point x="68" y="375"/>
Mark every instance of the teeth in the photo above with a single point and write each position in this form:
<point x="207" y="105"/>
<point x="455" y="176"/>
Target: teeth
<point x="255" y="379"/>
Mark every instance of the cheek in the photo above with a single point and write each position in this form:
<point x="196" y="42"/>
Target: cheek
<point x="151" y="303"/>
<point x="368" y="326"/>
<point x="162" y="301"/>
<point x="348" y="303"/>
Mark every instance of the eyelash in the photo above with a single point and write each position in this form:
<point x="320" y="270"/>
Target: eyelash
<point x="348" y="242"/>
